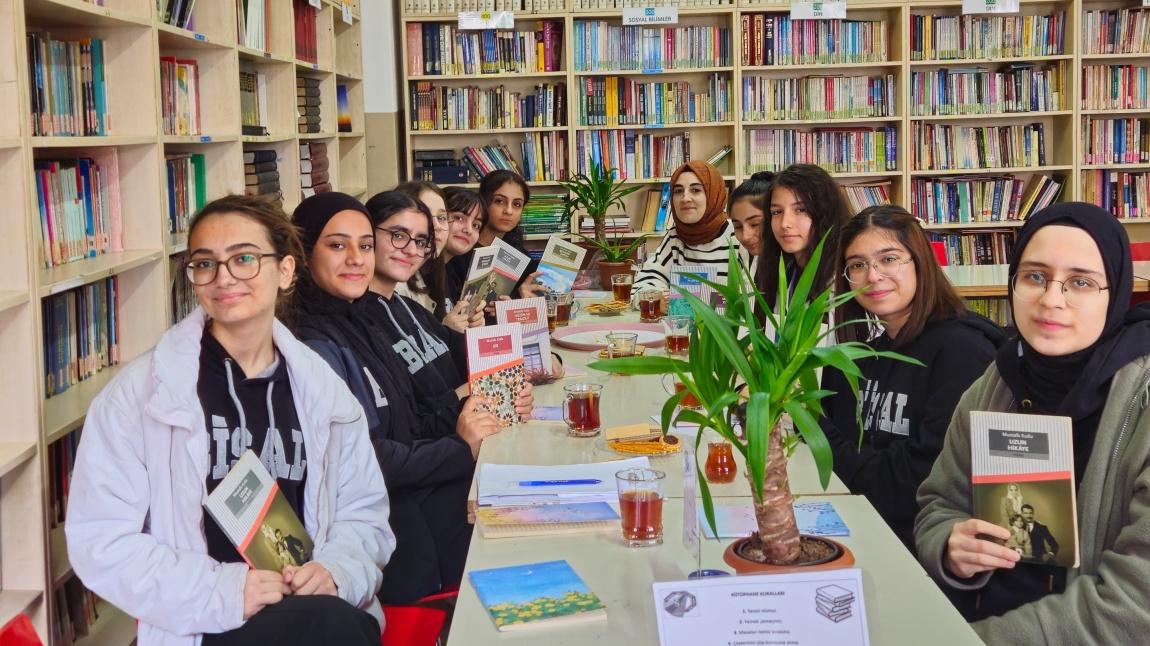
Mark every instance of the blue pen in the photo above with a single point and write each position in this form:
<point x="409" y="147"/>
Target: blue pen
<point x="558" y="483"/>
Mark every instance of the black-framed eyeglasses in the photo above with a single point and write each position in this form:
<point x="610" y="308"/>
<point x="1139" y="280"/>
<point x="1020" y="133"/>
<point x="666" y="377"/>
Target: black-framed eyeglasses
<point x="400" y="239"/>
<point x="242" y="266"/>
<point x="1076" y="290"/>
<point x="887" y="266"/>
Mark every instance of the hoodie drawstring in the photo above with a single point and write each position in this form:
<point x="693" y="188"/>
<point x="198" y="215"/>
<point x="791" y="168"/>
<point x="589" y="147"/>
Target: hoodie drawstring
<point x="240" y="407"/>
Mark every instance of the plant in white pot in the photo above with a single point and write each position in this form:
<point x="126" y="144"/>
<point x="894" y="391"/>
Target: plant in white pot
<point x="595" y="193"/>
<point x="749" y="382"/>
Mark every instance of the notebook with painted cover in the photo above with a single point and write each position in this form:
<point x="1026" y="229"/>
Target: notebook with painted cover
<point x="539" y="520"/>
<point x="560" y="263"/>
<point x="680" y="277"/>
<point x="1022" y="476"/>
<point x="531" y="313"/>
<point x="495" y="367"/>
<point x="253" y="513"/>
<point x="522" y="597"/>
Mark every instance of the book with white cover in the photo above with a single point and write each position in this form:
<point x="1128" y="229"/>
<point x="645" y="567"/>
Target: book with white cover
<point x="531" y="314"/>
<point x="560" y="263"/>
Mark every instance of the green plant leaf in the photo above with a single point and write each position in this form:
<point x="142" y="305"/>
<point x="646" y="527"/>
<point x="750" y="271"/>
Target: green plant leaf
<point x="652" y="365"/>
<point x="813" y="435"/>
<point x="669" y="410"/>
<point x="757" y="429"/>
<point x="705" y="494"/>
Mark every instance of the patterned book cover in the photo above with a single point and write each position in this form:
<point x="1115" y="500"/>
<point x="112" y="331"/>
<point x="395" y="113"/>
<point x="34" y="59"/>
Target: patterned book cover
<point x="495" y="367"/>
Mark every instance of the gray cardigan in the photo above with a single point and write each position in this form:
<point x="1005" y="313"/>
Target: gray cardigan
<point x="1105" y="598"/>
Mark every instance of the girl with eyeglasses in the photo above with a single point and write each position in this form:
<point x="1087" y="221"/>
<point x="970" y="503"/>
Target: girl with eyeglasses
<point x="168" y="428"/>
<point x="885" y="255"/>
<point x="428" y="478"/>
<point x="426" y="287"/>
<point x="1083" y="353"/>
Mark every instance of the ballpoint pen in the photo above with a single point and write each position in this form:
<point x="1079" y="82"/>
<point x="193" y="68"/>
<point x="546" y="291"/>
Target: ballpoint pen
<point x="558" y="483"/>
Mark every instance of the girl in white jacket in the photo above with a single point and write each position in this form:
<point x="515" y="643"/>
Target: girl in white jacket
<point x="166" y="430"/>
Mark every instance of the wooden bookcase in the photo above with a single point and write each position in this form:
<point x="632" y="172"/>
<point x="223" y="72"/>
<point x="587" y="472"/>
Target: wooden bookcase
<point x="33" y="555"/>
<point x="1064" y="124"/>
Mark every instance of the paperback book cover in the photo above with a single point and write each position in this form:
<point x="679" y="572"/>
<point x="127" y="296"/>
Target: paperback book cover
<point x="560" y="263"/>
<point x="680" y="277"/>
<point x="249" y="506"/>
<point x="1022" y="476"/>
<point x="344" y="108"/>
<point x="531" y="314"/>
<point x="495" y="367"/>
<point x="493" y="273"/>
<point x="520" y="597"/>
<point x="535" y="520"/>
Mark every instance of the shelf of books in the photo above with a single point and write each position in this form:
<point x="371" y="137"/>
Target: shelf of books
<point x="118" y="120"/>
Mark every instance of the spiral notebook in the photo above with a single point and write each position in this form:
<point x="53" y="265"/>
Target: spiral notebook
<point x="544" y="520"/>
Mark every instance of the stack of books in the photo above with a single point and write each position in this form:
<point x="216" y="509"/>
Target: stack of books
<point x="546" y="213"/>
<point x="307" y="103"/>
<point x="313" y="168"/>
<point x="261" y="174"/>
<point x="834" y="602"/>
<point x="440" y="166"/>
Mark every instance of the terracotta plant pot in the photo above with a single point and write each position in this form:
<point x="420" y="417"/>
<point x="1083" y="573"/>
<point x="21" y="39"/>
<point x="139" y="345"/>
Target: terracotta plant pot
<point x="609" y="269"/>
<point x="844" y="558"/>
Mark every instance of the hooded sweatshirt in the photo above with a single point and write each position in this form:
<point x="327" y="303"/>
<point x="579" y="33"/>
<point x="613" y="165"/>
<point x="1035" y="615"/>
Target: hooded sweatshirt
<point x="905" y="413"/>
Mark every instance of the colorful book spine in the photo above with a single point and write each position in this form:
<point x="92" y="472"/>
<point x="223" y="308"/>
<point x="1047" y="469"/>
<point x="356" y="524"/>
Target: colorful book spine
<point x="948" y="37"/>
<point x="79" y="206"/>
<point x="949" y="147"/>
<point x="838" y="150"/>
<point x="1020" y="87"/>
<point x="776" y="39"/>
<point x="1116" y="141"/>
<point x="636" y="154"/>
<point x="621" y="101"/>
<point x="68" y="87"/>
<point x="81" y="333"/>
<point x="438" y="107"/>
<point x="818" y="98"/>
<point x="600" y="46"/>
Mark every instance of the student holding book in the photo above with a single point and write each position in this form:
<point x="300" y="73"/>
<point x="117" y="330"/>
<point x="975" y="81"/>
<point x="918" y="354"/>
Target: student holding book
<point x="700" y="234"/>
<point x="466" y="217"/>
<point x="1080" y="352"/>
<point x="905" y="408"/>
<point x="428" y="479"/>
<point x="170" y="425"/>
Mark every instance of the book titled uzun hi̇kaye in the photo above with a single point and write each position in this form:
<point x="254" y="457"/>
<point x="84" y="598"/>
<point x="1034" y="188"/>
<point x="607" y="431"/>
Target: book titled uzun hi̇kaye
<point x="495" y="367"/>
<point x="1022" y="477"/>
<point x="520" y="597"/>
<point x="531" y="314"/>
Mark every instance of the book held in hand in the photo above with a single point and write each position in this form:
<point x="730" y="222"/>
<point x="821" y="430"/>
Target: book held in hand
<point x="680" y="277"/>
<point x="521" y="597"/>
<point x="495" y="367"/>
<point x="252" y="511"/>
<point x="560" y="263"/>
<point x="531" y="314"/>
<point x="1022" y="476"/>
<point x="494" y="271"/>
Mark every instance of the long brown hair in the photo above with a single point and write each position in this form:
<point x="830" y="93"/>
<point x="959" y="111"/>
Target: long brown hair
<point x="934" y="296"/>
<point x="432" y="270"/>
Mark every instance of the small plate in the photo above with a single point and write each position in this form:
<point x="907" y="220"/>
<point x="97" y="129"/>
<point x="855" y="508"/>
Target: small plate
<point x="593" y="336"/>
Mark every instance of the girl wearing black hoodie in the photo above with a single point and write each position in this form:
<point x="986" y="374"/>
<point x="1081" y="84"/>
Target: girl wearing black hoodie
<point x="428" y="479"/>
<point x="905" y="408"/>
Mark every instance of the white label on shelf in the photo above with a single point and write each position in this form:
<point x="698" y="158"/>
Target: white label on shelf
<point x="837" y="9"/>
<point x="318" y="4"/>
<point x="990" y="6"/>
<point x="345" y="10"/>
<point x="1146" y="3"/>
<point x="651" y="16"/>
<point x="487" y="20"/>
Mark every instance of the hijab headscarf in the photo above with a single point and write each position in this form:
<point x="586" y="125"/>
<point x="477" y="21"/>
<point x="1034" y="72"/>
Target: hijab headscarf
<point x="714" y="217"/>
<point x="1076" y="385"/>
<point x="313" y="214"/>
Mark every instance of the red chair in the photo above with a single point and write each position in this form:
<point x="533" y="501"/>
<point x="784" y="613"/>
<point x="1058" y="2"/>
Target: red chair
<point x="419" y="624"/>
<point x="939" y="248"/>
<point x="1140" y="251"/>
<point x="19" y="632"/>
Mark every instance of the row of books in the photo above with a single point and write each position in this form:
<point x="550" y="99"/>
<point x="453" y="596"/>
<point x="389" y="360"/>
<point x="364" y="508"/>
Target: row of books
<point x="864" y="194"/>
<point x="544" y="156"/>
<point x="1115" y="87"/>
<point x="77" y="610"/>
<point x="177" y="13"/>
<point x="838" y="150"/>
<point x="601" y="46"/>
<point x="439" y="166"/>
<point x="427" y="7"/>
<point x="942" y="37"/>
<point x="1020" y="87"/>
<point x="636" y="154"/>
<point x="78" y="200"/>
<point x="484" y="159"/>
<point x="546" y="213"/>
<point x="81" y="333"/>
<point x="1126" y="194"/>
<point x="1116" y="31"/>
<point x="815" y="98"/>
<point x="304" y="20"/>
<point x="308" y="106"/>
<point x="771" y="39"/>
<point x="436" y="107"/>
<point x="939" y="146"/>
<point x="183" y="295"/>
<point x="624" y="4"/>
<point x="621" y="100"/>
<point x="253" y="24"/>
<point x="261" y="173"/>
<point x="254" y="101"/>
<point x="69" y="92"/>
<point x="1116" y="141"/>
<point x="977" y="248"/>
<point x="61" y="462"/>
<point x="995" y="309"/>
<point x="982" y="198"/>
<point x="656" y="208"/>
<point x="186" y="188"/>
<point x="180" y="95"/>
<point x="314" y="168"/>
<point x="441" y="48"/>
<point x="612" y="225"/>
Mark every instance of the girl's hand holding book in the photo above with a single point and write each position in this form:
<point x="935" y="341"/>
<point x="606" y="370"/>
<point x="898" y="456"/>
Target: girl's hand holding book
<point x="310" y="578"/>
<point x="263" y="588"/>
<point x="968" y="553"/>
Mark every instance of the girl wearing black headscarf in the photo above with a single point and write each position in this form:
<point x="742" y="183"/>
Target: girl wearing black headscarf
<point x="1081" y="353"/>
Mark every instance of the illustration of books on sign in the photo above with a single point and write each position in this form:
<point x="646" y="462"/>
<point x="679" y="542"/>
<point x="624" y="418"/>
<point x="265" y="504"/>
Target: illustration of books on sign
<point x="560" y="263"/>
<point x="531" y="314"/>
<point x="249" y="506"/>
<point x="681" y="276"/>
<point x="1022" y="469"/>
<point x="834" y="602"/>
<point x="495" y="367"/>
<point x="539" y="594"/>
<point x="494" y="271"/>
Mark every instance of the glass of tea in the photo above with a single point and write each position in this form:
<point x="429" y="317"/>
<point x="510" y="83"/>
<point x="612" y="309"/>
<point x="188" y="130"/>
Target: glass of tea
<point x="673" y="386"/>
<point x="641" y="506"/>
<point x="677" y="331"/>
<point x="552" y="307"/>
<point x="649" y="305"/>
<point x="621" y="287"/>
<point x="565" y="306"/>
<point x="622" y="344"/>
<point x="720" y="467"/>
<point x="581" y="409"/>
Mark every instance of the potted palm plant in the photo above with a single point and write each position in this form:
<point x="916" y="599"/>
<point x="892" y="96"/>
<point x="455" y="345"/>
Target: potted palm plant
<point x="595" y="193"/>
<point x="745" y="384"/>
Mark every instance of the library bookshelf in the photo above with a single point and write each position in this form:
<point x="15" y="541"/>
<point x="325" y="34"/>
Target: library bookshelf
<point x="1065" y="101"/>
<point x="155" y="147"/>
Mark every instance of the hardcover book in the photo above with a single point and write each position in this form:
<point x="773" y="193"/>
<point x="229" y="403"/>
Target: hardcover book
<point x="253" y="513"/>
<point x="1022" y="476"/>
<point x="495" y="367"/>
<point x="560" y="263"/>
<point x="539" y="594"/>
<point x="531" y="314"/>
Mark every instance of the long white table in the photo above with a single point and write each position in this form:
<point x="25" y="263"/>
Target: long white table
<point x="903" y="605"/>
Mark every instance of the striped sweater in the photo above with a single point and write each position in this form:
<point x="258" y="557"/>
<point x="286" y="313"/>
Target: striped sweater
<point x="672" y="251"/>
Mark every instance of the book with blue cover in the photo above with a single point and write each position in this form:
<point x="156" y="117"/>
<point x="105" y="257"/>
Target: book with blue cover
<point x="537" y="520"/>
<point x="536" y="594"/>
